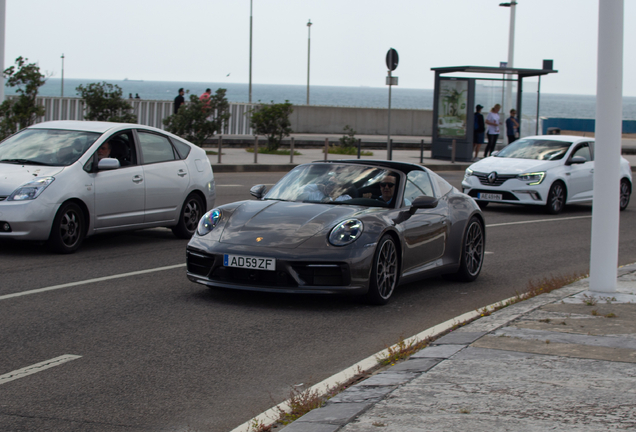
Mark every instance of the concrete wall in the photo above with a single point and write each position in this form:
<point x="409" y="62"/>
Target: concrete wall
<point x="365" y="121"/>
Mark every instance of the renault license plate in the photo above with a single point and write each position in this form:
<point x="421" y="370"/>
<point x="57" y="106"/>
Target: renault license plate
<point x="249" y="262"/>
<point x="490" y="196"/>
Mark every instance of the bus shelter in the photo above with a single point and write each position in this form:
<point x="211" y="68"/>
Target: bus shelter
<point x="455" y="98"/>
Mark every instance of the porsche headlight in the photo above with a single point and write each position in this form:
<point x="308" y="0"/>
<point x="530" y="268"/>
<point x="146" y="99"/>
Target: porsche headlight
<point x="534" y="178"/>
<point x="346" y="232"/>
<point x="208" y="222"/>
<point x="30" y="190"/>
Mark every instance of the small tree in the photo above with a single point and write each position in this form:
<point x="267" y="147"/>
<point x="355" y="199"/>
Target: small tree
<point x="348" y="140"/>
<point x="199" y="120"/>
<point x="272" y="121"/>
<point x="104" y="103"/>
<point x="24" y="110"/>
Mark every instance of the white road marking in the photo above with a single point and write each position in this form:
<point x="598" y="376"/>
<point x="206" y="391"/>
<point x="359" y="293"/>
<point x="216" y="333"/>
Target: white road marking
<point x="38" y="367"/>
<point x="89" y="281"/>
<point x="539" y="220"/>
<point x="228" y="185"/>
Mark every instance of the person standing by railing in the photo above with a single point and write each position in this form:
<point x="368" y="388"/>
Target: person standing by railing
<point x="179" y="100"/>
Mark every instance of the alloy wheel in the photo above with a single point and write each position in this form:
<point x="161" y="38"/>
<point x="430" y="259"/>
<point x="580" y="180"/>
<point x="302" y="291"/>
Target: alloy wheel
<point x="474" y="248"/>
<point x="626" y="192"/>
<point x="386" y="270"/>
<point x="70" y="228"/>
<point x="191" y="215"/>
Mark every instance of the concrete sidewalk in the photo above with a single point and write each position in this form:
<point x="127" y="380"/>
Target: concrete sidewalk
<point x="238" y="159"/>
<point x="560" y="361"/>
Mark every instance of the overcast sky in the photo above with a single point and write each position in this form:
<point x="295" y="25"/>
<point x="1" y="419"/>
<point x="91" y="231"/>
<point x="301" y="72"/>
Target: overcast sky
<point x="205" y="40"/>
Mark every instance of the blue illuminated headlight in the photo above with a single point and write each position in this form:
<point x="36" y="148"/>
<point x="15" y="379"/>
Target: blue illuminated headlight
<point x="208" y="222"/>
<point x="31" y="190"/>
<point x="534" y="178"/>
<point x="346" y="232"/>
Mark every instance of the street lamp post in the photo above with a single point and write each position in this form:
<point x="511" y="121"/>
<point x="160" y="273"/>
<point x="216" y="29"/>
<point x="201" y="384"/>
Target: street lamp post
<point x="308" y="53"/>
<point x="250" y="90"/>
<point x="62" y="93"/>
<point x="511" y="53"/>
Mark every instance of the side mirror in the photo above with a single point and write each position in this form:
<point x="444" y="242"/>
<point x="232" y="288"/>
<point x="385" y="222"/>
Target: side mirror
<point x="423" y="202"/>
<point x="576" y="160"/>
<point x="108" y="164"/>
<point x="258" y="191"/>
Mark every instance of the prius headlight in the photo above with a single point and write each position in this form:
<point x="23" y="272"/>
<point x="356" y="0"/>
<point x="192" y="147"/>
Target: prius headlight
<point x="208" y="222"/>
<point x="346" y="232"/>
<point x="31" y="190"/>
<point x="534" y="178"/>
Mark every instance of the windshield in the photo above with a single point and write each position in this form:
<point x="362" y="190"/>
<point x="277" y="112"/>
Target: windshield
<point x="336" y="184"/>
<point x="539" y="149"/>
<point x="46" y="146"/>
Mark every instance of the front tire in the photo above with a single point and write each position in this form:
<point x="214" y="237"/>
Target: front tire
<point x="191" y="212"/>
<point x="384" y="273"/>
<point x="68" y="229"/>
<point x="473" y="251"/>
<point x="626" y="193"/>
<point x="556" y="198"/>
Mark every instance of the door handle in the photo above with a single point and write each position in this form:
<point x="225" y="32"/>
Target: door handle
<point x="182" y="173"/>
<point x="137" y="179"/>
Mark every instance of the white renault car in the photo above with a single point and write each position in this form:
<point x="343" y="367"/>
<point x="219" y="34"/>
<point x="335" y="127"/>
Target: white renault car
<point x="62" y="181"/>
<point x="547" y="170"/>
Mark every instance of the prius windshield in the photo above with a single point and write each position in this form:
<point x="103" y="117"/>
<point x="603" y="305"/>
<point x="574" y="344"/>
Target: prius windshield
<point x="538" y="149"/>
<point x="46" y="147"/>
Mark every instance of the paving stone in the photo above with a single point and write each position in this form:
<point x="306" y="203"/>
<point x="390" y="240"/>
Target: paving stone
<point x="388" y="379"/>
<point x="416" y="365"/>
<point x="438" y="351"/>
<point x="459" y="338"/>
<point x="359" y="393"/>
<point x="627" y="342"/>
<point x="334" y="414"/>
<point x="310" y="427"/>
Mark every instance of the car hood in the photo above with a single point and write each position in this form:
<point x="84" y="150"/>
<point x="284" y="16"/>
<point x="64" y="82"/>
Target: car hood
<point x="281" y="224"/>
<point x="512" y="165"/>
<point x="12" y="175"/>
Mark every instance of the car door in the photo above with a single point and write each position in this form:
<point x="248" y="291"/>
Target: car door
<point x="120" y="193"/>
<point x="425" y="231"/>
<point x="166" y="177"/>
<point x="580" y="176"/>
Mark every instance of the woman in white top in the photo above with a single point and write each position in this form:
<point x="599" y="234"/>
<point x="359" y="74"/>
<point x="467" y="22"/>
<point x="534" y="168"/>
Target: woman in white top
<point x="492" y="128"/>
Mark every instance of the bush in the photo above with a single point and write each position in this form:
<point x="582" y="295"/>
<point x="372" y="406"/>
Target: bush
<point x="23" y="111"/>
<point x="197" y="121"/>
<point x="272" y="121"/>
<point x="349" y="138"/>
<point x="104" y="103"/>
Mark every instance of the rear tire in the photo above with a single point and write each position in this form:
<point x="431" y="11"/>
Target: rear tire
<point x="191" y="212"/>
<point x="384" y="273"/>
<point x="473" y="251"/>
<point x="68" y="229"/>
<point x="556" y="198"/>
<point x="626" y="192"/>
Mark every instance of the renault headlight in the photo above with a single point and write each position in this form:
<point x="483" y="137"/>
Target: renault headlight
<point x="208" y="222"/>
<point x="31" y="190"/>
<point x="346" y="232"/>
<point x="468" y="173"/>
<point x="534" y="178"/>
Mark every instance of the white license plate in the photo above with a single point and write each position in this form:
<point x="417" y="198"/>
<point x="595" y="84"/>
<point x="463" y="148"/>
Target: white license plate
<point x="249" y="262"/>
<point x="489" y="196"/>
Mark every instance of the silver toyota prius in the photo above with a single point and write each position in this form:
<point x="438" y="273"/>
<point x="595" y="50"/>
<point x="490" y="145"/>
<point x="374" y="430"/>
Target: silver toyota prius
<point x="62" y="181"/>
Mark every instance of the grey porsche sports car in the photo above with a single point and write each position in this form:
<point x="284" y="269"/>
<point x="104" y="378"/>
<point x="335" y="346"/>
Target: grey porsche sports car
<point x="349" y="226"/>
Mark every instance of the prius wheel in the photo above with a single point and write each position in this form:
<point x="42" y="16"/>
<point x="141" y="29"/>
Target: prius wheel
<point x="556" y="198"/>
<point x="473" y="249"/>
<point x="191" y="212"/>
<point x="626" y="192"/>
<point x="384" y="274"/>
<point x="68" y="229"/>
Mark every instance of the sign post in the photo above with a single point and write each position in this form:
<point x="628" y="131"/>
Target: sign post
<point x="391" y="63"/>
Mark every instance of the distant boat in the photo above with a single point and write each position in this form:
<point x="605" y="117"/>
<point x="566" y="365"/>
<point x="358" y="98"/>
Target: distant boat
<point x="126" y="79"/>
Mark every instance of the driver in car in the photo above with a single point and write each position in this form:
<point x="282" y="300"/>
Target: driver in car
<point x="103" y="151"/>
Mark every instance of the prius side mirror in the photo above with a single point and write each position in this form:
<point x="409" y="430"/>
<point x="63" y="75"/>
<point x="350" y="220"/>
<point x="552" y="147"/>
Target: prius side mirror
<point x="108" y="164"/>
<point x="258" y="191"/>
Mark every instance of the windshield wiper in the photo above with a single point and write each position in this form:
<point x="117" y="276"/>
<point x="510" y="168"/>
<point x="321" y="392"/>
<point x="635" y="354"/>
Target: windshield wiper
<point x="273" y="199"/>
<point x="24" y="162"/>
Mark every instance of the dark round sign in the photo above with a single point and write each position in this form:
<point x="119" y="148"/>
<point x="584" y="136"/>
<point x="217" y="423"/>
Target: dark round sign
<point x="392" y="59"/>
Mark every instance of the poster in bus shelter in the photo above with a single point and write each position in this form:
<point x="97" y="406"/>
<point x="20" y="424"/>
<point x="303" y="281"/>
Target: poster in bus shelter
<point x="451" y="114"/>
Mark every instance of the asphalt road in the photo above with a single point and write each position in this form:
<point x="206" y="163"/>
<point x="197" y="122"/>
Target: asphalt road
<point x="156" y="352"/>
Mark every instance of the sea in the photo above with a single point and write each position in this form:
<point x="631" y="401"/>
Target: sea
<point x="550" y="105"/>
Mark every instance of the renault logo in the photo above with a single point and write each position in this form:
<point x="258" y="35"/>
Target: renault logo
<point x="492" y="177"/>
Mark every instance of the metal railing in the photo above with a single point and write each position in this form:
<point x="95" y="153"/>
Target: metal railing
<point x="148" y="112"/>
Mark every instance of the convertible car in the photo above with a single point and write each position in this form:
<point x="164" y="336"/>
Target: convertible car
<point x="348" y="226"/>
